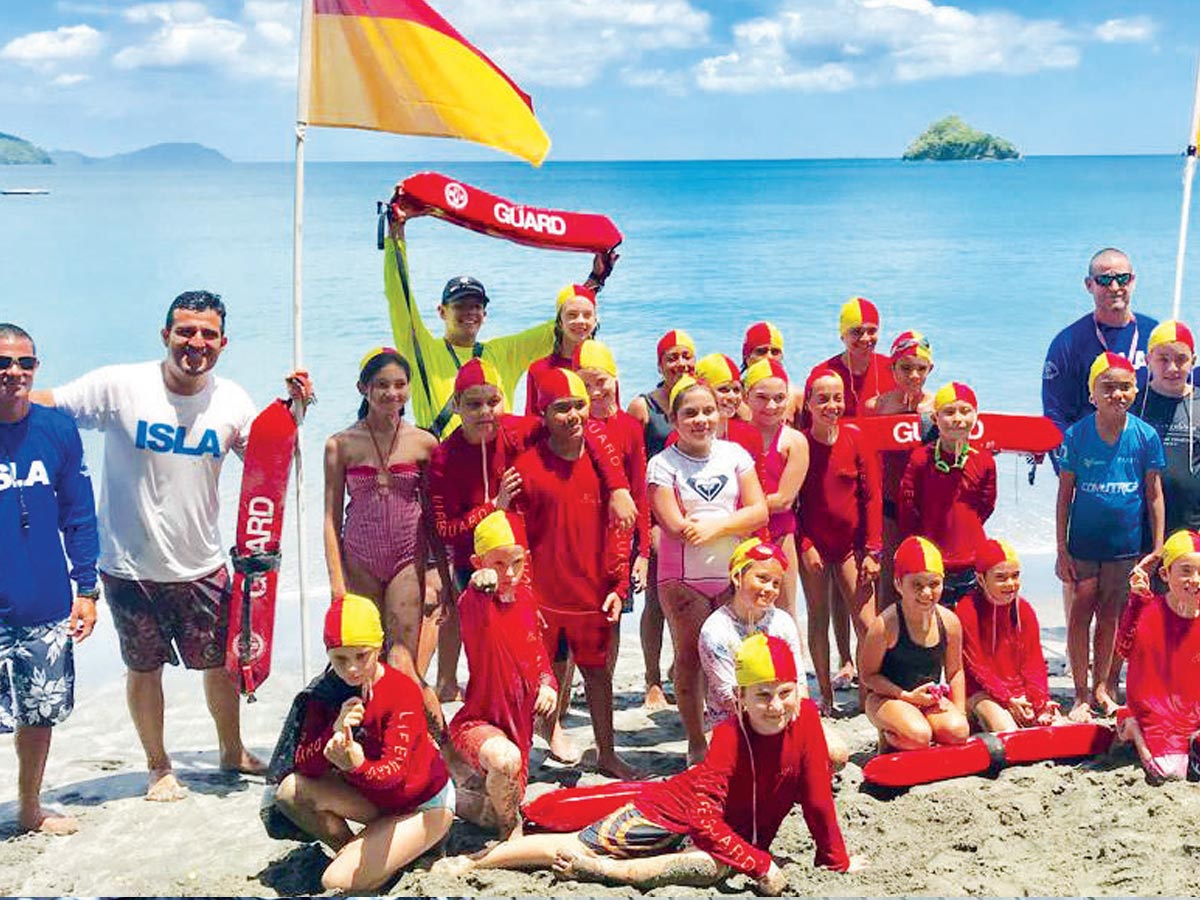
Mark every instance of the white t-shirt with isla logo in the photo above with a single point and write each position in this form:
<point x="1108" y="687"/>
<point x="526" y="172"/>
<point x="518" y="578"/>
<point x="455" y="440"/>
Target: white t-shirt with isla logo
<point x="162" y="460"/>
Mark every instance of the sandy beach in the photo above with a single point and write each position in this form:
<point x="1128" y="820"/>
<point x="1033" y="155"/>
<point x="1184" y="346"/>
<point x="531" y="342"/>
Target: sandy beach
<point x="1047" y="829"/>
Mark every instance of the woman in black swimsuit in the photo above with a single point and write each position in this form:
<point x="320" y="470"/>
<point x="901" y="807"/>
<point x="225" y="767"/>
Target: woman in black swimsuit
<point x="908" y="651"/>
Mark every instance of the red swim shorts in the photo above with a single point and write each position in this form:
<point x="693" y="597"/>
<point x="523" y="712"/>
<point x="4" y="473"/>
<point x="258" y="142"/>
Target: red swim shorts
<point x="586" y="634"/>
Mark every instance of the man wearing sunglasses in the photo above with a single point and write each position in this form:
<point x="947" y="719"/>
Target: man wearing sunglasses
<point x="1110" y="327"/>
<point x="46" y="506"/>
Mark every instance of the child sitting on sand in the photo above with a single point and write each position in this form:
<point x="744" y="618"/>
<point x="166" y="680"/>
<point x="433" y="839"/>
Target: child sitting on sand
<point x="369" y="761"/>
<point x="510" y="680"/>
<point x="1110" y="512"/>
<point x="1007" y="686"/>
<point x="757" y="570"/>
<point x="905" y="653"/>
<point x="760" y="764"/>
<point x="949" y="489"/>
<point x="1160" y="636"/>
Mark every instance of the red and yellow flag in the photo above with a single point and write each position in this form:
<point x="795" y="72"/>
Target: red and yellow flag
<point x="396" y="65"/>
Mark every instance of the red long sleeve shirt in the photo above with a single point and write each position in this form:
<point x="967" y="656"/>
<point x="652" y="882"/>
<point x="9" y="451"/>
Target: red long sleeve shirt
<point x="731" y="807"/>
<point x="877" y="379"/>
<point x="507" y="663"/>
<point x="841" y="508"/>
<point x="577" y="557"/>
<point x="456" y="475"/>
<point x="402" y="768"/>
<point x="1002" y="650"/>
<point x="948" y="508"/>
<point x="625" y="432"/>
<point x="1161" y="687"/>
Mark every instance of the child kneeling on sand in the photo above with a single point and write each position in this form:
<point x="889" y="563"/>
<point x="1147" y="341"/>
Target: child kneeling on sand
<point x="1007" y="686"/>
<point x="905" y="653"/>
<point x="756" y="569"/>
<point x="1160" y="636"/>
<point x="510" y="680"/>
<point x="760" y="763"/>
<point x="369" y="761"/>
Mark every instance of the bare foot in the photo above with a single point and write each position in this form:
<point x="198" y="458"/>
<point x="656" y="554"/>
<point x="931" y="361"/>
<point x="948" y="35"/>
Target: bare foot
<point x="844" y="679"/>
<point x="244" y="763"/>
<point x="696" y="754"/>
<point x="655" y="699"/>
<point x="1105" y="701"/>
<point x="571" y="865"/>
<point x="453" y="866"/>
<point x="562" y="750"/>
<point x="44" y="822"/>
<point x="1080" y="712"/>
<point x="615" y="767"/>
<point x="165" y="787"/>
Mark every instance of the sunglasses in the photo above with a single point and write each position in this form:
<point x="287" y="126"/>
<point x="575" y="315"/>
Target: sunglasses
<point x="1121" y="278"/>
<point x="27" y="363"/>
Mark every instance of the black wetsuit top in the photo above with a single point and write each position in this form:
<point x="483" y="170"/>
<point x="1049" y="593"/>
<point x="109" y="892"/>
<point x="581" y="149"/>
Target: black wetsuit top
<point x="658" y="426"/>
<point x="909" y="665"/>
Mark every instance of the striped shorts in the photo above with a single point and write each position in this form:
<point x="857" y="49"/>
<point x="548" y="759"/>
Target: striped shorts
<point x="627" y="833"/>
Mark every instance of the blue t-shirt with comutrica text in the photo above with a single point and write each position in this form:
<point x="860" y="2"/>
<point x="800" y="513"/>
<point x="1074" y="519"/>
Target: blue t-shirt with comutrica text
<point x="1108" y="515"/>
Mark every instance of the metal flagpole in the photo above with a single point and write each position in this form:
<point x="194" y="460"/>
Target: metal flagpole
<point x="1189" y="172"/>
<point x="302" y="88"/>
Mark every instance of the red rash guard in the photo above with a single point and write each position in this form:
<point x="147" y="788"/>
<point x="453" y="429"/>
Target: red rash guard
<point x="507" y="664"/>
<point x="402" y="769"/>
<point x="456" y="475"/>
<point x="577" y="557"/>
<point x="625" y="432"/>
<point x="948" y="508"/>
<point x="1161" y="687"/>
<point x="877" y="379"/>
<point x="1002" y="650"/>
<point x="721" y="802"/>
<point x="841" y="510"/>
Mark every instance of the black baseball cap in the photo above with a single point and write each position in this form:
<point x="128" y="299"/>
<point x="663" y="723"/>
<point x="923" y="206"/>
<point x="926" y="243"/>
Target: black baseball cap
<point x="463" y="287"/>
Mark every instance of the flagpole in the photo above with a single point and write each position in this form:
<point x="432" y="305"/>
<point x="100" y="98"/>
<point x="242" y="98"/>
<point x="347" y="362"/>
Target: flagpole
<point x="302" y="90"/>
<point x="1189" y="173"/>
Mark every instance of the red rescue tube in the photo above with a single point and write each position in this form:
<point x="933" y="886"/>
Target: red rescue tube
<point x="993" y="431"/>
<point x="575" y="808"/>
<point x="470" y="207"/>
<point x="979" y="754"/>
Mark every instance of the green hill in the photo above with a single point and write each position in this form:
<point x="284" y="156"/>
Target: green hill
<point x="952" y="138"/>
<point x="15" y="151"/>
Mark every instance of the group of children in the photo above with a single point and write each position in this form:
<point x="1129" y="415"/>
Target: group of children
<point x="718" y="494"/>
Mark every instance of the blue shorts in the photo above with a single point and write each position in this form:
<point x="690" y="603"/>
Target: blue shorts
<point x="37" y="674"/>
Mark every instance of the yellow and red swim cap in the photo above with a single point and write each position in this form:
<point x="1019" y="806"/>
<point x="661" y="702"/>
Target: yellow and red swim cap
<point x="592" y="354"/>
<point x="1179" y="543"/>
<point x="374" y="352"/>
<point x="717" y="369"/>
<point x="559" y="384"/>
<point x="761" y="334"/>
<point x="993" y="552"/>
<point x="500" y="528"/>
<point x="954" y="392"/>
<point x="475" y="372"/>
<point x="1106" y="362"/>
<point x="857" y="311"/>
<point x="675" y="338"/>
<point x="352" y="620"/>
<point x="763" y="658"/>
<point x="816" y="375"/>
<point x="754" y="550"/>
<point x="683" y="384"/>
<point x="1171" y="332"/>
<point x="917" y="554"/>
<point x="764" y="368"/>
<point x="911" y="343"/>
<point x="572" y="291"/>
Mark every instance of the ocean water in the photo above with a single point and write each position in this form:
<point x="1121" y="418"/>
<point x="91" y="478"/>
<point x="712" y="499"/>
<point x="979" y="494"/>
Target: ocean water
<point x="986" y="258"/>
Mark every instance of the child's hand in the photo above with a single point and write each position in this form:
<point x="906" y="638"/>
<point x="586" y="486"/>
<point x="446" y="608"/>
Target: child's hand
<point x="351" y="714"/>
<point x="1022" y="710"/>
<point x="774" y="883"/>
<point x="700" y="531"/>
<point x="811" y="560"/>
<point x="868" y="572"/>
<point x="510" y="488"/>
<point x="622" y="511"/>
<point x="547" y="700"/>
<point x="612" y="608"/>
<point x="639" y="573"/>
<point x="925" y="695"/>
<point x="1064" y="568"/>
<point x="485" y="580"/>
<point x="343" y="751"/>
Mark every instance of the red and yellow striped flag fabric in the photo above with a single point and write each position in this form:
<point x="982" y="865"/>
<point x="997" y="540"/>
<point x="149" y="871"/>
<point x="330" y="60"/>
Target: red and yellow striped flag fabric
<point x="396" y="65"/>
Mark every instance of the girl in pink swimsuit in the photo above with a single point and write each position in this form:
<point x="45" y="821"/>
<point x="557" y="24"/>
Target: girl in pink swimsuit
<point x="371" y="542"/>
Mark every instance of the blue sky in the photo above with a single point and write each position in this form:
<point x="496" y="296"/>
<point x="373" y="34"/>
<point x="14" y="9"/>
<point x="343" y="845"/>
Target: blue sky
<point x="631" y="79"/>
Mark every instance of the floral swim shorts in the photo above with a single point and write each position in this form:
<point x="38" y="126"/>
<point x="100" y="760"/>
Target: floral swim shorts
<point x="37" y="674"/>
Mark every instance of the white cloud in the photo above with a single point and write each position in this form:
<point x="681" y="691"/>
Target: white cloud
<point x="673" y="83"/>
<point x="70" y="80"/>
<point x="1134" y="30"/>
<point x="71" y="42"/>
<point x="173" y="12"/>
<point x="570" y="43"/>
<point x="827" y="45"/>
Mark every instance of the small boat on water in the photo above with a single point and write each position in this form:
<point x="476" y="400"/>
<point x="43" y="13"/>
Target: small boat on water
<point x="23" y="192"/>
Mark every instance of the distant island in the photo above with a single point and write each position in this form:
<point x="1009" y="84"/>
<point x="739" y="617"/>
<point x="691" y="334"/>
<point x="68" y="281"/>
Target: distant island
<point x="952" y="138"/>
<point x="18" y="151"/>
